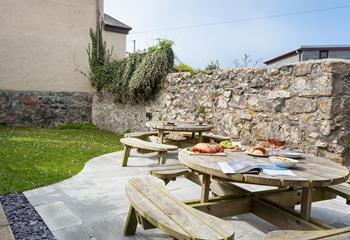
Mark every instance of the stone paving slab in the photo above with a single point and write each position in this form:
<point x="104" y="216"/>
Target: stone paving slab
<point x="95" y="206"/>
<point x="58" y="216"/>
<point x="5" y="229"/>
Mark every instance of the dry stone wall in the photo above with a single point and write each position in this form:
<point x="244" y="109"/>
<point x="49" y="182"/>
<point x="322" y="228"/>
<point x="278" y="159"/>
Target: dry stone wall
<point x="44" y="108"/>
<point x="306" y="103"/>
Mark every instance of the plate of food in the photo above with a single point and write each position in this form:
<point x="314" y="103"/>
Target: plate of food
<point x="283" y="162"/>
<point x="288" y="154"/>
<point x="206" y="149"/>
<point x="258" y="151"/>
<point x="232" y="146"/>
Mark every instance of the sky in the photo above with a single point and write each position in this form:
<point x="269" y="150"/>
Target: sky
<point x="262" y="39"/>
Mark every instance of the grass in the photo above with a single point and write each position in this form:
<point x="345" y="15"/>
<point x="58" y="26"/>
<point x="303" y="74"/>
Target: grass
<point x="31" y="158"/>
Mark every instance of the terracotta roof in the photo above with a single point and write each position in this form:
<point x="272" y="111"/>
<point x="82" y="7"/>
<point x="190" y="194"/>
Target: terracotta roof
<point x="309" y="48"/>
<point x="113" y="25"/>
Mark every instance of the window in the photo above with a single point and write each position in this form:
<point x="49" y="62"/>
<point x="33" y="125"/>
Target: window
<point x="323" y="54"/>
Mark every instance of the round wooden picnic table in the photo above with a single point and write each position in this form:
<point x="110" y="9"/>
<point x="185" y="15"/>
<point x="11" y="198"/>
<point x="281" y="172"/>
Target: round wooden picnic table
<point x="311" y="171"/>
<point x="163" y="127"/>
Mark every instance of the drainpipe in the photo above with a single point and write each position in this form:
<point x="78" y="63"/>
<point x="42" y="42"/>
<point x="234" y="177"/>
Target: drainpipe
<point x="299" y="53"/>
<point x="98" y="25"/>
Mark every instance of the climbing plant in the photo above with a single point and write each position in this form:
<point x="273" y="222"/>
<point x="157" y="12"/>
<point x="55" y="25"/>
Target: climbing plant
<point x="135" y="78"/>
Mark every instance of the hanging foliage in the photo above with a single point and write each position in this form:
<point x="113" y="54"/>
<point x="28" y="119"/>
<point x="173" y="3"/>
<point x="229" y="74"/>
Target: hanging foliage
<point x="135" y="78"/>
<point x="147" y="77"/>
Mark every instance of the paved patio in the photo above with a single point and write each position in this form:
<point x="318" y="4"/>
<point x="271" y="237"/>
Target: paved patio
<point x="93" y="205"/>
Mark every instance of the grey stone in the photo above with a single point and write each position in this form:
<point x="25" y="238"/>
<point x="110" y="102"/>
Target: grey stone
<point x="44" y="109"/>
<point x="227" y="94"/>
<point x="301" y="105"/>
<point x="278" y="94"/>
<point x="57" y="216"/>
<point x="245" y="116"/>
<point x="222" y="102"/>
<point x="320" y="143"/>
<point x="303" y="69"/>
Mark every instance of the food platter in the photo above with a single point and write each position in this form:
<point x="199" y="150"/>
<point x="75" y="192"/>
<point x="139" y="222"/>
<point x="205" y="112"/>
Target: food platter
<point x="257" y="155"/>
<point x="190" y="152"/>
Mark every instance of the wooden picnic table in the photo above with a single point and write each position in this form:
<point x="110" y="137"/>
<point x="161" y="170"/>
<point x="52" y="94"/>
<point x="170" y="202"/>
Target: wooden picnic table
<point x="311" y="175"/>
<point x="163" y="127"/>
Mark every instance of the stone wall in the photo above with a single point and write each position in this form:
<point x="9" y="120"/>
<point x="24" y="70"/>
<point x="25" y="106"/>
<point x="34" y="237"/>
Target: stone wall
<point x="44" y="109"/>
<point x="306" y="103"/>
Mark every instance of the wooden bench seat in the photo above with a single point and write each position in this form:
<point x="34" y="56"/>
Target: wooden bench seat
<point x="209" y="137"/>
<point x="129" y="143"/>
<point x="333" y="234"/>
<point x="152" y="205"/>
<point x="169" y="172"/>
<point x="342" y="190"/>
<point x="140" y="135"/>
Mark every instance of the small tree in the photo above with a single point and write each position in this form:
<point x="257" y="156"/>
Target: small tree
<point x="213" y="65"/>
<point x="95" y="62"/>
<point x="246" y="61"/>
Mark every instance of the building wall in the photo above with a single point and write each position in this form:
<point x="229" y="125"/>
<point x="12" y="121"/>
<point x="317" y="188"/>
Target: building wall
<point x="285" y="61"/>
<point x="307" y="103"/>
<point x="117" y="43"/>
<point x="310" y="55"/>
<point x="43" y="61"/>
<point x="43" y="44"/>
<point x="339" y="54"/>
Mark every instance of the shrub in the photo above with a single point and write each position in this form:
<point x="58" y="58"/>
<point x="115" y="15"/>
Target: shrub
<point x="213" y="65"/>
<point x="184" y="67"/>
<point x="135" y="78"/>
<point x="153" y="68"/>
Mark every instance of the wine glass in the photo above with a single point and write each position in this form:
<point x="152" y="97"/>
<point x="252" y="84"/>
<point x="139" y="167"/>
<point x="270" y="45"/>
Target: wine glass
<point x="276" y="142"/>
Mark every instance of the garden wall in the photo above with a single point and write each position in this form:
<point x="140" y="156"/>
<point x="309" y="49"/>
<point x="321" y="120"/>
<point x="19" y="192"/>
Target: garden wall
<point x="44" y="108"/>
<point x="307" y="103"/>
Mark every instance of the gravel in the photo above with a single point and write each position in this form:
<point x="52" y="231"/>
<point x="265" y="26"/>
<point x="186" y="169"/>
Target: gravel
<point x="25" y="222"/>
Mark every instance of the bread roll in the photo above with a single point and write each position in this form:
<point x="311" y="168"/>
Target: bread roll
<point x="258" y="152"/>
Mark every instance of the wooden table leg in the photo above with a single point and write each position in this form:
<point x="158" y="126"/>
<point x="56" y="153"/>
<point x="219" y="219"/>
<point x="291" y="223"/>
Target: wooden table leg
<point x="193" y="135"/>
<point x="161" y="136"/>
<point x="126" y="154"/>
<point x="306" y="201"/>
<point x="200" y="137"/>
<point x="205" y="188"/>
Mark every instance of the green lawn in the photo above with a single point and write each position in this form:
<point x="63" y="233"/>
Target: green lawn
<point x="31" y="158"/>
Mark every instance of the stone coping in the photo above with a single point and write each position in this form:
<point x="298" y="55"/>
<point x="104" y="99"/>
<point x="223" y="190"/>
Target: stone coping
<point x="5" y="229"/>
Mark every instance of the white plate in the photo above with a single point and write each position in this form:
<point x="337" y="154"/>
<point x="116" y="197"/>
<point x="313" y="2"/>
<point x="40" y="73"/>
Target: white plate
<point x="288" y="154"/>
<point x="256" y="155"/>
<point x="286" y="163"/>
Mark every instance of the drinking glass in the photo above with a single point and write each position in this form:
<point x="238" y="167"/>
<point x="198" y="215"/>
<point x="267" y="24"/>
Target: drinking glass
<point x="276" y="141"/>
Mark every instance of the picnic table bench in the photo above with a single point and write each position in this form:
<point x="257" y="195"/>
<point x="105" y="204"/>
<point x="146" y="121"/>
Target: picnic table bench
<point x="152" y="205"/>
<point x="140" y="135"/>
<point x="333" y="234"/>
<point x="169" y="172"/>
<point x="209" y="137"/>
<point x="342" y="190"/>
<point x="129" y="143"/>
